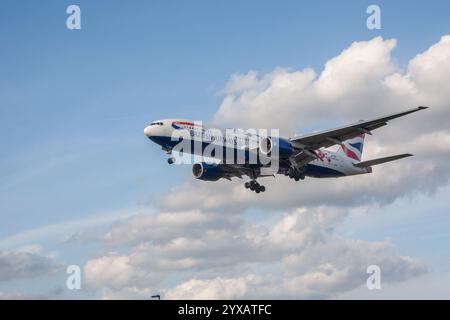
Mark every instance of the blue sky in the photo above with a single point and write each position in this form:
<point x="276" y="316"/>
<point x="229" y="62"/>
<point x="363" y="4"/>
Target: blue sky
<point x="73" y="103"/>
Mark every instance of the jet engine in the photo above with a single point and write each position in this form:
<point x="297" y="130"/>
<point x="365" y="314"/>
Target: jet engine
<point x="206" y="171"/>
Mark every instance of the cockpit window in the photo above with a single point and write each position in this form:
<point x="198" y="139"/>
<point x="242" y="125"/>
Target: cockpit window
<point x="156" y="124"/>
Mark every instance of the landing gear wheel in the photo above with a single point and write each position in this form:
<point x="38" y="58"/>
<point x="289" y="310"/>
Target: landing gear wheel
<point x="170" y="160"/>
<point x="254" y="186"/>
<point x="292" y="173"/>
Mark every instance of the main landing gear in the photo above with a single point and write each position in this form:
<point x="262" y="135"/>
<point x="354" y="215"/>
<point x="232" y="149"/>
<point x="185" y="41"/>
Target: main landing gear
<point x="255" y="186"/>
<point x="295" y="174"/>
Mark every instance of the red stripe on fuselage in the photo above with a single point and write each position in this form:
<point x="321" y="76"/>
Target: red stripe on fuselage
<point x="184" y="123"/>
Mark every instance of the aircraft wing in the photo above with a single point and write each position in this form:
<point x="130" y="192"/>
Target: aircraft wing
<point x="327" y="138"/>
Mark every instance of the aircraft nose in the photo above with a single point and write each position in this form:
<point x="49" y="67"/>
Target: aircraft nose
<point x="148" y="131"/>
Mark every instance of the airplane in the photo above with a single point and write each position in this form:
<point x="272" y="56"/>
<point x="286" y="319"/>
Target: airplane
<point x="297" y="157"/>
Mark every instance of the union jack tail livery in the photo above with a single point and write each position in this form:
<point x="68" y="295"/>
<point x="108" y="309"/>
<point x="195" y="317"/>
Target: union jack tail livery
<point x="353" y="148"/>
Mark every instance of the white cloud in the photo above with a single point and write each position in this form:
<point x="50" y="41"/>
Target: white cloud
<point x="341" y="265"/>
<point x="355" y="72"/>
<point x="430" y="71"/>
<point x="361" y="82"/>
<point x="299" y="246"/>
<point x="241" y="82"/>
<point x="163" y="226"/>
<point x="112" y="271"/>
<point x="210" y="289"/>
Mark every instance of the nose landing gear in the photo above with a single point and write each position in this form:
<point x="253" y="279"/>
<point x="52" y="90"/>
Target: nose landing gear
<point x="255" y="186"/>
<point x="170" y="160"/>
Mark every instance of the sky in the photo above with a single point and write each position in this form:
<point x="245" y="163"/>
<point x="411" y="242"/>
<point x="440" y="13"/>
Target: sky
<point x="81" y="185"/>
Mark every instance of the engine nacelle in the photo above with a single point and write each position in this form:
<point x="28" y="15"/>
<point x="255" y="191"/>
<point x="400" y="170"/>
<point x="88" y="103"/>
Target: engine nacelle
<point x="206" y="171"/>
<point x="268" y="144"/>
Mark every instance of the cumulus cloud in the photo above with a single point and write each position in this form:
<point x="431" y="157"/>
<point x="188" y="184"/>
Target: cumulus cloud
<point x="210" y="289"/>
<point x="300" y="246"/>
<point x="341" y="265"/>
<point x="200" y="245"/>
<point x="164" y="226"/>
<point x="362" y="81"/>
<point x="114" y="271"/>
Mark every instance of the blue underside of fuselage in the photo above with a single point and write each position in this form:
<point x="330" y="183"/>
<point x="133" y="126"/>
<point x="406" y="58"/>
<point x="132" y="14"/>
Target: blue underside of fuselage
<point x="315" y="171"/>
<point x="312" y="170"/>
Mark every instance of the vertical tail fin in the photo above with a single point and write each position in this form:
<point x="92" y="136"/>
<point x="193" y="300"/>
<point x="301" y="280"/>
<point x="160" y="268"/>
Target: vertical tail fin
<point x="353" y="148"/>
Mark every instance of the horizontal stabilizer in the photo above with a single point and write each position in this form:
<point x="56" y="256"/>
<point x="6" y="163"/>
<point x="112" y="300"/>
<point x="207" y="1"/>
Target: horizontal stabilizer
<point x="374" y="162"/>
